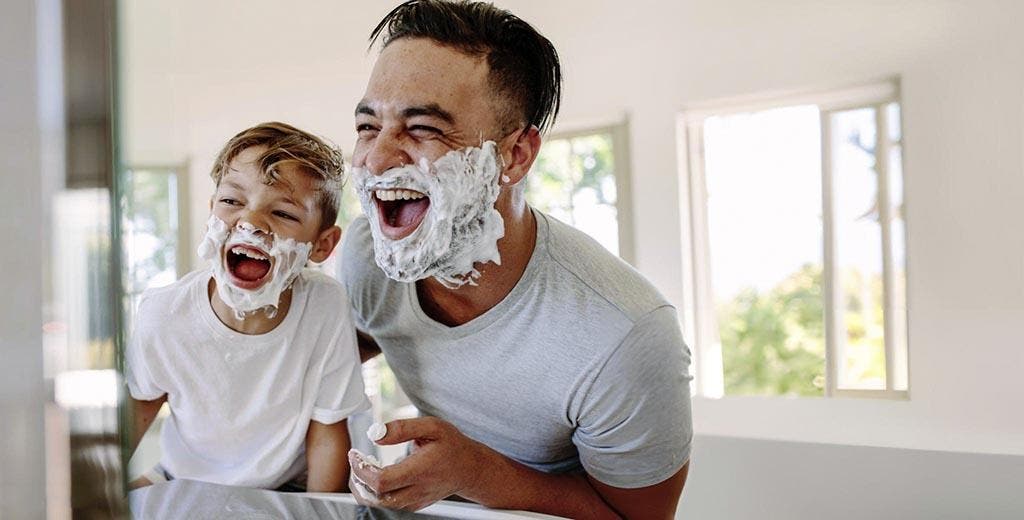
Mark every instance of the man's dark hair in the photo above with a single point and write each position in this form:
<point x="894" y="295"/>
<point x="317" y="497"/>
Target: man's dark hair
<point x="523" y="64"/>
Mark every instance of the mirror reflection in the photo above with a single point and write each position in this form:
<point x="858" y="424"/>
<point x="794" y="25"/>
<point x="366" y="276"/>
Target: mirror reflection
<point x="589" y="260"/>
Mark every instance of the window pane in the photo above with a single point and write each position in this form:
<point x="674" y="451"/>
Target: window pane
<point x="860" y="349"/>
<point x="150" y="231"/>
<point x="899" y="267"/>
<point x="763" y="178"/>
<point x="348" y="210"/>
<point x="573" y="180"/>
<point x="895" y="127"/>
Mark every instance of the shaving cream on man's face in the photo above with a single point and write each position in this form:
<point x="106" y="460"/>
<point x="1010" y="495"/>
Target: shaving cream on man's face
<point x="440" y="217"/>
<point x="251" y="273"/>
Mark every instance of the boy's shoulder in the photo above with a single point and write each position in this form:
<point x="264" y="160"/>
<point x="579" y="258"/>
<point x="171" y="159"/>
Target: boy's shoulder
<point x="164" y="307"/>
<point x="174" y="295"/>
<point x="322" y="289"/>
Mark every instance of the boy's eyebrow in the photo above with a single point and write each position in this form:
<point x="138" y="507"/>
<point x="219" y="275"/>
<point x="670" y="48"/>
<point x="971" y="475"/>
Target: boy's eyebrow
<point x="233" y="184"/>
<point x="293" y="202"/>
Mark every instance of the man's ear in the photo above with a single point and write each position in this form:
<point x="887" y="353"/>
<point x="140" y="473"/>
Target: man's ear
<point x="521" y="155"/>
<point x="325" y="244"/>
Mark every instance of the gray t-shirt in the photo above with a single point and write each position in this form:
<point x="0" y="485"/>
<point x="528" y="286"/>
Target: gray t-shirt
<point x="582" y="364"/>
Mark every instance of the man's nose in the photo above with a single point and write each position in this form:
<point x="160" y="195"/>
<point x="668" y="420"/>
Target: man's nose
<point x="385" y="152"/>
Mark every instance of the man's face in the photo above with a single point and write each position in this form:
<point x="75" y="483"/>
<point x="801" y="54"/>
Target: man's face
<point x="423" y="100"/>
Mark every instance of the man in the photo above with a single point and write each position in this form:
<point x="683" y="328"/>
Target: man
<point x="550" y="375"/>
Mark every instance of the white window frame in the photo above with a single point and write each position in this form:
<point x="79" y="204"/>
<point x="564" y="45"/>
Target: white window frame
<point x="619" y="132"/>
<point x="699" y="321"/>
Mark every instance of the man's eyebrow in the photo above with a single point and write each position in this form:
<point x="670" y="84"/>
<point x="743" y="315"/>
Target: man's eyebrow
<point x="364" y="108"/>
<point x="430" y="109"/>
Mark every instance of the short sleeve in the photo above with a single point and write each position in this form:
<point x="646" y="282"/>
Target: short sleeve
<point x="341" y="392"/>
<point x="141" y="363"/>
<point x="634" y="424"/>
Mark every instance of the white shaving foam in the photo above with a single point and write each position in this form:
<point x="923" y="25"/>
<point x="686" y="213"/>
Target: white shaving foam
<point x="364" y="461"/>
<point x="288" y="256"/>
<point x="461" y="227"/>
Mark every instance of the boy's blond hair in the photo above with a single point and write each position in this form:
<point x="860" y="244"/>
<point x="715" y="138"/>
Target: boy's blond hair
<point x="286" y="144"/>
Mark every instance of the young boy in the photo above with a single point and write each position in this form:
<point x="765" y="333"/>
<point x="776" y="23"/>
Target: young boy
<point x="255" y="355"/>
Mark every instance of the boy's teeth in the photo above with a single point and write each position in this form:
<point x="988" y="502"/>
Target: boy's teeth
<point x="239" y="250"/>
<point x="389" y="195"/>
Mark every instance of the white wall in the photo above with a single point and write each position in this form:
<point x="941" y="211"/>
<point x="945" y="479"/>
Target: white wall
<point x="198" y="72"/>
<point x="735" y="478"/>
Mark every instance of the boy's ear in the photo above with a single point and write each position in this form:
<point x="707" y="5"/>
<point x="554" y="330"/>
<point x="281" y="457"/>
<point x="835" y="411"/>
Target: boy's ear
<point x="325" y="244"/>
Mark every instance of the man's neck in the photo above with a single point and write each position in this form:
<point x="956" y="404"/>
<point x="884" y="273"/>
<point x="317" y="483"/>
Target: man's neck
<point x="455" y="307"/>
<point x="252" y="323"/>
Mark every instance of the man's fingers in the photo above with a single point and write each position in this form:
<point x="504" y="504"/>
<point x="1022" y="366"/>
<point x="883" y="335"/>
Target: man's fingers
<point x="364" y="470"/>
<point x="404" y="430"/>
<point x="410" y="498"/>
<point x="409" y="471"/>
<point x="362" y="493"/>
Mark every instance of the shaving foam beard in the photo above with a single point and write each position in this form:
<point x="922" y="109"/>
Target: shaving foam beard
<point x="288" y="256"/>
<point x="461" y="227"/>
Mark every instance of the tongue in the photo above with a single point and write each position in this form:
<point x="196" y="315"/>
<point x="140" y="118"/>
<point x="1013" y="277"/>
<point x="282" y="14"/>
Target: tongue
<point x="408" y="212"/>
<point x="250" y="269"/>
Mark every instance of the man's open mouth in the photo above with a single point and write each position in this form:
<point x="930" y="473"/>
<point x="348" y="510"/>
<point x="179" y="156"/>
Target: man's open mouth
<point x="400" y="211"/>
<point x="248" y="266"/>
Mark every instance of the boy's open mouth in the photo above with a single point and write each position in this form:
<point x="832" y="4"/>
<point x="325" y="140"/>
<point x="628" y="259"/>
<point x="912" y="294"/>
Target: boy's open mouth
<point x="248" y="266"/>
<point x="400" y="211"/>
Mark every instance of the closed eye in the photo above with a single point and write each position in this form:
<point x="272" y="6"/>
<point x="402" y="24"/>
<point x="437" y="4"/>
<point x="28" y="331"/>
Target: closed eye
<point x="286" y="216"/>
<point x="365" y="130"/>
<point x="424" y="130"/>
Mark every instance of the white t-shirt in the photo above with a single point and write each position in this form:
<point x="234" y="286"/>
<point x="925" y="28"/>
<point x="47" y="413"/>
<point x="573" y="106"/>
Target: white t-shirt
<point x="241" y="404"/>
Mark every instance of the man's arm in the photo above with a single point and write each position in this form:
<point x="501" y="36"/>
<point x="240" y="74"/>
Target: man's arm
<point x="326" y="449"/>
<point x="657" y="501"/>
<point x="368" y="347"/>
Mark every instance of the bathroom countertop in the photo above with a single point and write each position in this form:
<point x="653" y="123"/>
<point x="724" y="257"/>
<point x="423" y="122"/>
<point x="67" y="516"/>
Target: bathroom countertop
<point x="190" y="499"/>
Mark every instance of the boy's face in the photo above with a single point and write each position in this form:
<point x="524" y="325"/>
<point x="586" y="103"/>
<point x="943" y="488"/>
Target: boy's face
<point x="288" y="208"/>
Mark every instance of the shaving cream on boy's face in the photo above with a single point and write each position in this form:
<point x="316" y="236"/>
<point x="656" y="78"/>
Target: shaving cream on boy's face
<point x="251" y="273"/>
<point x="450" y="203"/>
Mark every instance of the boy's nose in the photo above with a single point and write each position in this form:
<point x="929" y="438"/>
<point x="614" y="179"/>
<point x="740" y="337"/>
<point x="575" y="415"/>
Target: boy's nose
<point x="253" y="223"/>
<point x="248" y="226"/>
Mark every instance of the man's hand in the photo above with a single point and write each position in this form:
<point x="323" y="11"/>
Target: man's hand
<point x="444" y="462"/>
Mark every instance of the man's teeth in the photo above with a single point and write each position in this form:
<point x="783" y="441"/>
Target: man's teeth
<point x="239" y="250"/>
<point x="398" y="195"/>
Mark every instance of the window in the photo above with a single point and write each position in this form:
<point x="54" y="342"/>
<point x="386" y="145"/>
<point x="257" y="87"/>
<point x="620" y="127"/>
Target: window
<point x="796" y="237"/>
<point x="580" y="179"/>
<point x="151" y="230"/>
